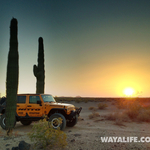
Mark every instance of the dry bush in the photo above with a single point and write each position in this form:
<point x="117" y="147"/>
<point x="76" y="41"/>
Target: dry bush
<point x="92" y="108"/>
<point x="144" y="116"/>
<point x="138" y="113"/>
<point x="102" y="106"/>
<point x="44" y="135"/>
<point x="86" y="101"/>
<point x="113" y="103"/>
<point x="77" y="100"/>
<point x="111" y="117"/>
<point x="134" y="111"/>
<point x="94" y="115"/>
<point x="122" y="104"/>
<point x="119" y="122"/>
<point x="117" y="117"/>
<point x="131" y="112"/>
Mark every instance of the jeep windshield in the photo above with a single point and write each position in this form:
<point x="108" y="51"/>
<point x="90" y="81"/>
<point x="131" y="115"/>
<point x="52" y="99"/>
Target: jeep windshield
<point x="48" y="98"/>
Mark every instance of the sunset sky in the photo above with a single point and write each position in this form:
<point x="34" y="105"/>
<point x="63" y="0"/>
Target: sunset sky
<point x="93" y="48"/>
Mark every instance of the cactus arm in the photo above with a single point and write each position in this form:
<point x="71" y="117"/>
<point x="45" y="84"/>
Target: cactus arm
<point x="35" y="70"/>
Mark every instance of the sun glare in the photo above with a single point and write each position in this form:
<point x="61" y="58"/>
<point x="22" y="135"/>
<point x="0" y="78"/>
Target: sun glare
<point x="128" y="91"/>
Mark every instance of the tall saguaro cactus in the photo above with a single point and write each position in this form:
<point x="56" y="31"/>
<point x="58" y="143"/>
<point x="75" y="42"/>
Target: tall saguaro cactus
<point x="12" y="76"/>
<point x="38" y="70"/>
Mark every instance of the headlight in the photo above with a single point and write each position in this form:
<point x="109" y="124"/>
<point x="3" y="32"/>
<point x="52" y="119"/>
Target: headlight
<point x="71" y="109"/>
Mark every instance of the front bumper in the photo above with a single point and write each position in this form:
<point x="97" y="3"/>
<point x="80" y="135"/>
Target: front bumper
<point x="74" y="113"/>
<point x="78" y="111"/>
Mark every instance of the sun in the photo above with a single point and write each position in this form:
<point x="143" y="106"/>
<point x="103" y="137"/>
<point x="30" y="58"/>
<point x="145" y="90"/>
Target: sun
<point x="128" y="91"/>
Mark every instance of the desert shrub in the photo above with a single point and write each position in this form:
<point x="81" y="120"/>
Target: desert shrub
<point x="86" y="101"/>
<point x="111" y="117"/>
<point x="119" y="122"/>
<point x="144" y="116"/>
<point x="92" y="108"/>
<point x="117" y="117"/>
<point x="102" y="106"/>
<point x="94" y="115"/>
<point x="113" y="103"/>
<point x="77" y="100"/>
<point x="44" y="135"/>
<point x="133" y="110"/>
<point x="122" y="104"/>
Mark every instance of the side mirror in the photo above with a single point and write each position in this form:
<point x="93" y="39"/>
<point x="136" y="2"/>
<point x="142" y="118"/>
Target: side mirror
<point x="39" y="102"/>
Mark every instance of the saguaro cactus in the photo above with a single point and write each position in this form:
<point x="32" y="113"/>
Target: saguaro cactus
<point x="38" y="70"/>
<point x="12" y="76"/>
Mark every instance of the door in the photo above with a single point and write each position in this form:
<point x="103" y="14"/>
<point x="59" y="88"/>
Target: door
<point x="21" y="106"/>
<point x="34" y="109"/>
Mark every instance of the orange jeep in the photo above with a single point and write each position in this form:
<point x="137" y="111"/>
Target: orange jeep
<point x="33" y="107"/>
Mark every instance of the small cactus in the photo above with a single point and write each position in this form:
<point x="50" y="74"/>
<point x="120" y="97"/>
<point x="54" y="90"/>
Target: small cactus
<point x="38" y="70"/>
<point x="12" y="76"/>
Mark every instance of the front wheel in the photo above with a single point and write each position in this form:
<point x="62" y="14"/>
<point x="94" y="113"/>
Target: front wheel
<point x="73" y="122"/>
<point x="3" y="121"/>
<point x="26" y="122"/>
<point x="55" y="123"/>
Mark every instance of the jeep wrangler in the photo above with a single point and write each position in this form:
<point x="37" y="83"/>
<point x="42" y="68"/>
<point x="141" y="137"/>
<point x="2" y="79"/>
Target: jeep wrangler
<point x="33" y="107"/>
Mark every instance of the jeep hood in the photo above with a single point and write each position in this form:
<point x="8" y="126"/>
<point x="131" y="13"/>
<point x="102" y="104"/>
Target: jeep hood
<point x="61" y="105"/>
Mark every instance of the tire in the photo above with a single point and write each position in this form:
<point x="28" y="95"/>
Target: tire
<point x="73" y="122"/>
<point x="2" y="122"/>
<point x="26" y="122"/>
<point x="53" y="120"/>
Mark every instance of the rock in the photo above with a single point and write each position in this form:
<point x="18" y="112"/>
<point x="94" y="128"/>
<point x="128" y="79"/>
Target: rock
<point x="77" y="134"/>
<point x="24" y="146"/>
<point x="6" y="138"/>
<point x="73" y="140"/>
<point x="15" y="148"/>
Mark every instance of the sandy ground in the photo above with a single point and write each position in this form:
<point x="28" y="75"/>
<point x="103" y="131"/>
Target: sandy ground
<point x="86" y="135"/>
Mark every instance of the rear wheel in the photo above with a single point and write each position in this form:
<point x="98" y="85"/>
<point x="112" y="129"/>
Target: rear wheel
<point x="3" y="121"/>
<point x="26" y="122"/>
<point x="73" y="122"/>
<point x="55" y="123"/>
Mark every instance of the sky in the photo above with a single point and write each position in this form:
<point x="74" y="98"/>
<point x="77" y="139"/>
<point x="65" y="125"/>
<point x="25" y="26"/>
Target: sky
<point x="92" y="48"/>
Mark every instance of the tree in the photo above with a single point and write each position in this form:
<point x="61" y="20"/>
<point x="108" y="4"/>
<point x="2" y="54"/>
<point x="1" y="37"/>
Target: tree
<point x="38" y="70"/>
<point x="12" y="77"/>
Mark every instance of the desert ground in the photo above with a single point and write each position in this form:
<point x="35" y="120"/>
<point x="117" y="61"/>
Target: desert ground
<point x="87" y="133"/>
